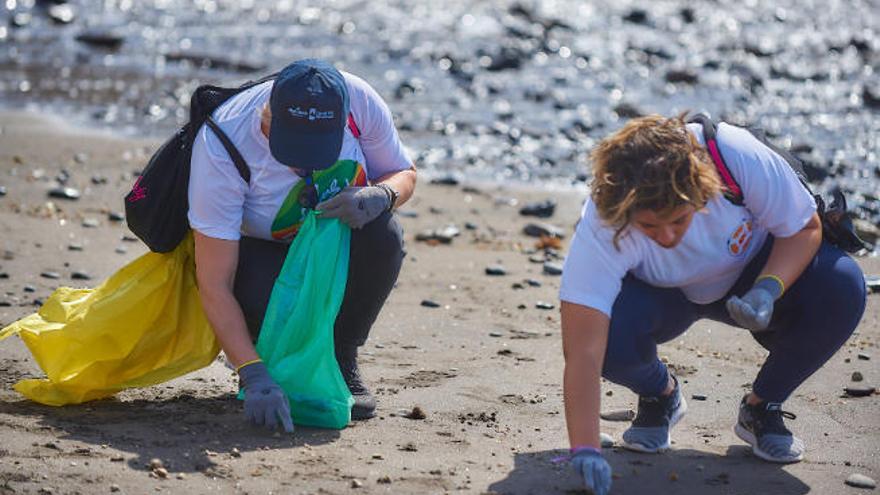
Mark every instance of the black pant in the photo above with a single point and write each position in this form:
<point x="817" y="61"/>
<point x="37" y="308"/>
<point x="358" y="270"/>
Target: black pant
<point x="376" y="257"/>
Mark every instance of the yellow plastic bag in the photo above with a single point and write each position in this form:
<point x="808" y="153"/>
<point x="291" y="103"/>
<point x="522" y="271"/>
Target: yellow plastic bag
<point x="144" y="325"/>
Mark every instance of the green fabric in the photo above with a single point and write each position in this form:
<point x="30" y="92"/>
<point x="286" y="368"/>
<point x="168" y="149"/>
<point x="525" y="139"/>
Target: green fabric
<point x="296" y="340"/>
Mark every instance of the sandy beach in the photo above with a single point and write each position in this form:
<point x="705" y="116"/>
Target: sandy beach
<point x="485" y="365"/>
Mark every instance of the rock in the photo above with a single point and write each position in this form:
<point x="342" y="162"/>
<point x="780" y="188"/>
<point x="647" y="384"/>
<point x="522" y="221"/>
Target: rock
<point x="91" y="223"/>
<point x="448" y="180"/>
<point x="470" y="226"/>
<point x="627" y="111"/>
<point x="866" y="230"/>
<point x="552" y="268"/>
<point x="129" y="238"/>
<point x="99" y="180"/>
<point x="2" y="191"/>
<point x="537" y="258"/>
<point x="871" y="97"/>
<point x="684" y="76"/>
<point x="114" y="487"/>
<point x="618" y="415"/>
<point x="859" y="391"/>
<point x="495" y="270"/>
<point x="101" y="39"/>
<point x="65" y="193"/>
<point x="541" y="209"/>
<point x="872" y="283"/>
<point x="235" y="452"/>
<point x="606" y="441"/>
<point x="121" y="250"/>
<point x="156" y="463"/>
<point x="384" y="480"/>
<point x="636" y="16"/>
<point x="161" y="473"/>
<point x="543" y="229"/>
<point x="51" y="275"/>
<point x="29" y="288"/>
<point x="698" y="397"/>
<point x="80" y="275"/>
<point x="860" y="481"/>
<point x="544" y="305"/>
<point x="20" y="19"/>
<point x="864" y="357"/>
<point x="75" y="247"/>
<point x="532" y="282"/>
<point x="61" y="13"/>
<point x="356" y="483"/>
<point x="408" y="213"/>
<point x="857" y="377"/>
<point x="417" y="413"/>
<point x="4" y="275"/>
<point x="115" y="216"/>
<point x="430" y="304"/>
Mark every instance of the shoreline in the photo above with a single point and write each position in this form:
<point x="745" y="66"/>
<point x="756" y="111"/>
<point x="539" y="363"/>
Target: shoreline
<point x="485" y="366"/>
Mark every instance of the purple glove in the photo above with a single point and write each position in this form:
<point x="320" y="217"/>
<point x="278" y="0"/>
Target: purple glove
<point x="265" y="404"/>
<point x="755" y="309"/>
<point x="356" y="206"/>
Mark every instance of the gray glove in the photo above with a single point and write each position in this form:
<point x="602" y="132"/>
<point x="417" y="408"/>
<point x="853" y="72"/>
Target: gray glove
<point x="265" y="404"/>
<point x="755" y="309"/>
<point x="593" y="469"/>
<point x="356" y="206"/>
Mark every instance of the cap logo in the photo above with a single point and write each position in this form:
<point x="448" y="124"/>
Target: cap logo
<point x="312" y="114"/>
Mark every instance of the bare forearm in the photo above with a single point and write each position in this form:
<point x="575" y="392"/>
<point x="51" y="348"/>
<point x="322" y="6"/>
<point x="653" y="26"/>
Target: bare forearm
<point x="226" y="318"/>
<point x="791" y="255"/>
<point x="404" y="182"/>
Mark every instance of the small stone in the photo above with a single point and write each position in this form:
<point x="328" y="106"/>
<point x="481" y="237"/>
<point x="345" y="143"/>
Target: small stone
<point x="115" y="216"/>
<point x="50" y="275"/>
<point x="673" y="476"/>
<point x="861" y="481"/>
<point x="430" y="304"/>
<point x="448" y="180"/>
<point x="98" y="180"/>
<point x="409" y="447"/>
<point x="235" y="452"/>
<point x="864" y="357"/>
<point x="552" y="268"/>
<point x="544" y="305"/>
<point x="117" y="458"/>
<point x="384" y="480"/>
<point x="121" y="250"/>
<point x="541" y="209"/>
<point x="129" y="238"/>
<point x="857" y="376"/>
<point x="470" y="226"/>
<point x="156" y="463"/>
<point x="161" y="472"/>
<point x="2" y="191"/>
<point x="532" y="282"/>
<point x="542" y="229"/>
<point x="80" y="275"/>
<point x="698" y="397"/>
<point x="114" y="487"/>
<point x="91" y="223"/>
<point x="859" y="391"/>
<point x="65" y="193"/>
<point x="378" y="457"/>
<point x="417" y="413"/>
<point x="496" y="334"/>
<point x="537" y="258"/>
<point x="495" y="270"/>
<point x="181" y="476"/>
<point x="356" y="483"/>
<point x="618" y="415"/>
<point x="4" y="275"/>
<point x="606" y="441"/>
<point x="75" y="247"/>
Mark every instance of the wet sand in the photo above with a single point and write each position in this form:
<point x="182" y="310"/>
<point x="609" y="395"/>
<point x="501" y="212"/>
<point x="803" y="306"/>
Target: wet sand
<point x="485" y="366"/>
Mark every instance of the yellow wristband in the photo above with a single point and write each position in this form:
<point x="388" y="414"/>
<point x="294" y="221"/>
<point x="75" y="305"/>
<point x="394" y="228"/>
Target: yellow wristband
<point x="773" y="277"/>
<point x="252" y="361"/>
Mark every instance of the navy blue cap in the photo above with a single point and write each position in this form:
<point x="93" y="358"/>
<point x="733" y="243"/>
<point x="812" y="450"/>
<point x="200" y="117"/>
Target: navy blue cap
<point x="309" y="105"/>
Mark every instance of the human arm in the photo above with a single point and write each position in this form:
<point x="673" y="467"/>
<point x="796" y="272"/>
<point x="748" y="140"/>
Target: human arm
<point x="584" y="338"/>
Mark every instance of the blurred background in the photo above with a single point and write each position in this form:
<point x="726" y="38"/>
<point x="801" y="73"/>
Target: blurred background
<point x="512" y="91"/>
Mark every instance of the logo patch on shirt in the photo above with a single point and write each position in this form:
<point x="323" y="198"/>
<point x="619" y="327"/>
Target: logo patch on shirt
<point x="739" y="241"/>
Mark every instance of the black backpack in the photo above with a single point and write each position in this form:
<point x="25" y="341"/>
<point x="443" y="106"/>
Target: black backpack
<point x="837" y="226"/>
<point x="156" y="207"/>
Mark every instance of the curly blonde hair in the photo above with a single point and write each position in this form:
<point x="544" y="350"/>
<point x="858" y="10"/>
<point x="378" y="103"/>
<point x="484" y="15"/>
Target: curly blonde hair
<point x="652" y="163"/>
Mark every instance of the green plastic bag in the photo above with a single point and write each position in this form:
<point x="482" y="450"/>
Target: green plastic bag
<point x="296" y="339"/>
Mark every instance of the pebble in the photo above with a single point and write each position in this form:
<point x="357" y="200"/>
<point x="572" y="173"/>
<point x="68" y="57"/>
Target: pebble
<point x="542" y="229"/>
<point x="114" y="487"/>
<point x="544" y="305"/>
<point x="859" y="391"/>
<point x="29" y="288"/>
<point x="430" y="304"/>
<point x="80" y="275"/>
<point x="384" y="480"/>
<point x="51" y="275"/>
<point x="2" y="191"/>
<point x="532" y="282"/>
<point x="156" y="463"/>
<point x="857" y="376"/>
<point x="65" y="193"/>
<point x="121" y="250"/>
<point x="541" y="209"/>
<point x="75" y="247"/>
<point x="448" y="180"/>
<point x="495" y="270"/>
<point x="551" y="268"/>
<point x="864" y="357"/>
<point x="861" y="481"/>
<point x="698" y="397"/>
<point x="101" y="39"/>
<point x="91" y="223"/>
<point x="618" y="415"/>
<point x="99" y="180"/>
<point x="417" y="413"/>
<point x="537" y="258"/>
<point x="356" y="483"/>
<point x="115" y="216"/>
<point x="606" y="441"/>
<point x="61" y="13"/>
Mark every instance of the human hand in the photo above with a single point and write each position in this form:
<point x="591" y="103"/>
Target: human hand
<point x="593" y="469"/>
<point x="755" y="309"/>
<point x="356" y="206"/>
<point x="265" y="404"/>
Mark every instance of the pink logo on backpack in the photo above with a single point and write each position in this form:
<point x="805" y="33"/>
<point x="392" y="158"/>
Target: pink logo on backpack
<point x="137" y="192"/>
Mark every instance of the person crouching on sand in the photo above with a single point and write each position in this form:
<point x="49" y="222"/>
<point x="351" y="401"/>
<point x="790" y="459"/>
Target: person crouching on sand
<point x="658" y="247"/>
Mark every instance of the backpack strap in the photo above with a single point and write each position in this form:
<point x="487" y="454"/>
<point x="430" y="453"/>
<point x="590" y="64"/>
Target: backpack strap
<point x="243" y="170"/>
<point x="732" y="192"/>
<point x="352" y="126"/>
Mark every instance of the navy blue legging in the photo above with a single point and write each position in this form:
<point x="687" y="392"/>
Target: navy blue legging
<point x="814" y="317"/>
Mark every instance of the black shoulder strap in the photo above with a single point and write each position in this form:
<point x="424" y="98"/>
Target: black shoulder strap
<point x="240" y="164"/>
<point x="732" y="191"/>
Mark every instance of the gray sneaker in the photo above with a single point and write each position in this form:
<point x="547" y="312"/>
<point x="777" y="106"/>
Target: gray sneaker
<point x="656" y="417"/>
<point x="761" y="426"/>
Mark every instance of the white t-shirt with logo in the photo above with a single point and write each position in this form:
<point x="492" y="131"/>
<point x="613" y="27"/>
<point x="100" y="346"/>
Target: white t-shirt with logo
<point x="719" y="243"/>
<point x="223" y="206"/>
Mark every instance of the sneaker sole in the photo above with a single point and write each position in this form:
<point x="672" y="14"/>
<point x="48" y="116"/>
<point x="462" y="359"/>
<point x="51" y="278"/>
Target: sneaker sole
<point x="749" y="438"/>
<point x="676" y="417"/>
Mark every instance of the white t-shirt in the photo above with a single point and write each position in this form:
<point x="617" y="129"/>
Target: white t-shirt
<point x="717" y="246"/>
<point x="223" y="206"/>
